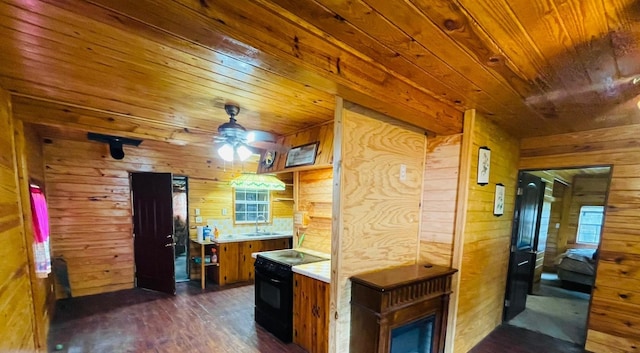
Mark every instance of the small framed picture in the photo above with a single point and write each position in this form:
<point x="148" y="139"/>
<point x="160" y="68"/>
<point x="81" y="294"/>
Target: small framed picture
<point x="498" y="202"/>
<point x="302" y="155"/>
<point x="484" y="165"/>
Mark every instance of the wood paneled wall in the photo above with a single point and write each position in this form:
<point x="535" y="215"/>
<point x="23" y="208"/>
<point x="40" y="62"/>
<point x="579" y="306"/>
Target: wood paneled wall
<point x="376" y="215"/>
<point x="586" y="191"/>
<point x="30" y="170"/>
<point x="315" y="195"/>
<point x="482" y="251"/>
<point x="439" y="199"/>
<point x="554" y="246"/>
<point x="614" y="316"/>
<point x="90" y="201"/>
<point x="212" y="196"/>
<point x="17" y="326"/>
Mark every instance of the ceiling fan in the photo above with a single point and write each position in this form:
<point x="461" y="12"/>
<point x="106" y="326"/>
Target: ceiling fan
<point x="236" y="140"/>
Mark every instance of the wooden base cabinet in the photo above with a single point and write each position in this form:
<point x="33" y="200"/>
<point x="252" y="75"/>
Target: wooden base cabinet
<point x="236" y="263"/>
<point x="311" y="313"/>
<point x="404" y="308"/>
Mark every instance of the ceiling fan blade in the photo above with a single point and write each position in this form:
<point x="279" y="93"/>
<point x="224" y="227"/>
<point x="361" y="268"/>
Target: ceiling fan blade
<point x="270" y="146"/>
<point x="260" y="136"/>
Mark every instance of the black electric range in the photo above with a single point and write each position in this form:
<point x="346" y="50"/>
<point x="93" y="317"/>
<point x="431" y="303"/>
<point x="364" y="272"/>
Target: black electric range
<point x="274" y="289"/>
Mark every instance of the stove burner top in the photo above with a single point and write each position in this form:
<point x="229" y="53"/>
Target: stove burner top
<point x="291" y="257"/>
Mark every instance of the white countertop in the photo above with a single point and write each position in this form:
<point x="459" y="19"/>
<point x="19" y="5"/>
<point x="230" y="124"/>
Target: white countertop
<point x="320" y="270"/>
<point x="235" y="238"/>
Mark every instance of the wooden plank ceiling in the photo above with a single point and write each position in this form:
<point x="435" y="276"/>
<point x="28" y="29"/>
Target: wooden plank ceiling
<point x="164" y="69"/>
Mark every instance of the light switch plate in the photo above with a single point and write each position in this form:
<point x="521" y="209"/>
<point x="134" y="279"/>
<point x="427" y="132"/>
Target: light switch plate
<point x="224" y="211"/>
<point x="403" y="172"/>
<point x="198" y="219"/>
<point x="197" y="211"/>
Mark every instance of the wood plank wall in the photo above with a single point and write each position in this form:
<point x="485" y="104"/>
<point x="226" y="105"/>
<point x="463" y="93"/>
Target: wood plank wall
<point x="482" y="253"/>
<point x="90" y="201"/>
<point x="377" y="215"/>
<point x="614" y="316"/>
<point x="553" y="246"/>
<point x="315" y="195"/>
<point x="17" y="326"/>
<point x="439" y="199"/>
<point x="31" y="170"/>
<point x="586" y="191"/>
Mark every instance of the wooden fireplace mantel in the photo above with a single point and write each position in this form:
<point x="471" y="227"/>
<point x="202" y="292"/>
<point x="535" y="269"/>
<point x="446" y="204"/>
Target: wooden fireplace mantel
<point x="389" y="298"/>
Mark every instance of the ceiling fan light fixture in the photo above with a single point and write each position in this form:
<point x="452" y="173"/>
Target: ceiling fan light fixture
<point x="226" y="152"/>
<point x="243" y="152"/>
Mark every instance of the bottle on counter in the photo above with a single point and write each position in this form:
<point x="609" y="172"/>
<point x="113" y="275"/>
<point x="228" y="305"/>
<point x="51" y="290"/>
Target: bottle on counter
<point x="214" y="255"/>
<point x="207" y="233"/>
<point x="216" y="232"/>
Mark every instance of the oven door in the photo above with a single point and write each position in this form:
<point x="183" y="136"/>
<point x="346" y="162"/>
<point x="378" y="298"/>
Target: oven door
<point x="273" y="294"/>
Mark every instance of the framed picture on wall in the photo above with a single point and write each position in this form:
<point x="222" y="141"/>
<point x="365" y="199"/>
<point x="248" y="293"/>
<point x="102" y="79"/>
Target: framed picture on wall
<point x="302" y="155"/>
<point x="484" y="165"/>
<point x="498" y="202"/>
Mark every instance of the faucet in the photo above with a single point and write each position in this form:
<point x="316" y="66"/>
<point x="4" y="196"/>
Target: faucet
<point x="264" y="219"/>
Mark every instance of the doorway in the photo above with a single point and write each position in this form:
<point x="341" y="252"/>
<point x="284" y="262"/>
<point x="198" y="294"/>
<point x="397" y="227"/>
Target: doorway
<point x="181" y="227"/>
<point x="564" y="253"/>
<point x="153" y="244"/>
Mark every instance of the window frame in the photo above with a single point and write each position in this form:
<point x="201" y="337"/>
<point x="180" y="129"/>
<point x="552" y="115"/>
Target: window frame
<point x="580" y="224"/>
<point x="268" y="203"/>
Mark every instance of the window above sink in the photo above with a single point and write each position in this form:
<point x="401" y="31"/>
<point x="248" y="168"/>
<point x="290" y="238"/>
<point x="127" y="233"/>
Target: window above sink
<point x="252" y="206"/>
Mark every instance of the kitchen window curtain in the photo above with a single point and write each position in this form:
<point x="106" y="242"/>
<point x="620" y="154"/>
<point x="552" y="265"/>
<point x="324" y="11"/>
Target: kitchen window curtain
<point x="40" y="216"/>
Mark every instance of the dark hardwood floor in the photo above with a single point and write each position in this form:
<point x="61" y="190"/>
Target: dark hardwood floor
<point x="511" y="339"/>
<point x="213" y="320"/>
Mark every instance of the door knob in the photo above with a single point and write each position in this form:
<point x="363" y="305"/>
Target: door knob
<point x="170" y="236"/>
<point x="170" y="244"/>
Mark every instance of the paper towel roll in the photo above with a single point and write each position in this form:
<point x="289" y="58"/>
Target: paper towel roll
<point x="200" y="232"/>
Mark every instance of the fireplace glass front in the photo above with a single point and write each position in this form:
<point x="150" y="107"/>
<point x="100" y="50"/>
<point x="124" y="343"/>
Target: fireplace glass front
<point x="414" y="337"/>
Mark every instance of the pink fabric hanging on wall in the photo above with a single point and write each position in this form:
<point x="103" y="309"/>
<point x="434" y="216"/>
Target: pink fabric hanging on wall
<point x="40" y="216"/>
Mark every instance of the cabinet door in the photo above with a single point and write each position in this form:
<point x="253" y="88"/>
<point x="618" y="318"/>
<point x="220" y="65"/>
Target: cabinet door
<point x="320" y="327"/>
<point x="246" y="261"/>
<point x="229" y="258"/>
<point x="311" y="314"/>
<point x="303" y="288"/>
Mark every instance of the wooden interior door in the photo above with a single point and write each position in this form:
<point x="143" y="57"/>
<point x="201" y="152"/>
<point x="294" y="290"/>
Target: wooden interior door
<point x="153" y="231"/>
<point x="526" y="226"/>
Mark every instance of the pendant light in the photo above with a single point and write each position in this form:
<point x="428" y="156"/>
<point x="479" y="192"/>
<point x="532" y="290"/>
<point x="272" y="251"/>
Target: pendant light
<point x="257" y="181"/>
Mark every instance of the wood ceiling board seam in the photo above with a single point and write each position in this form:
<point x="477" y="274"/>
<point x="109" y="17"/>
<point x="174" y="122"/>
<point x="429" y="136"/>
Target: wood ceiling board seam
<point x="419" y="30"/>
<point x="195" y="50"/>
<point x="60" y="53"/>
<point x="315" y="112"/>
<point x="623" y="23"/>
<point x="373" y="46"/>
<point x="324" y="49"/>
<point x="127" y="126"/>
<point x="514" y="33"/>
<point x="583" y="27"/>
<point x="532" y="17"/>
<point x="287" y="69"/>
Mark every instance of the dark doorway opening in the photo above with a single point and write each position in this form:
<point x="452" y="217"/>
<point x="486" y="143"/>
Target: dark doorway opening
<point x="181" y="227"/>
<point x="564" y="255"/>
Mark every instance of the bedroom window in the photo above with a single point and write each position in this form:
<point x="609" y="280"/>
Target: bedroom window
<point x="252" y="205"/>
<point x="590" y="224"/>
